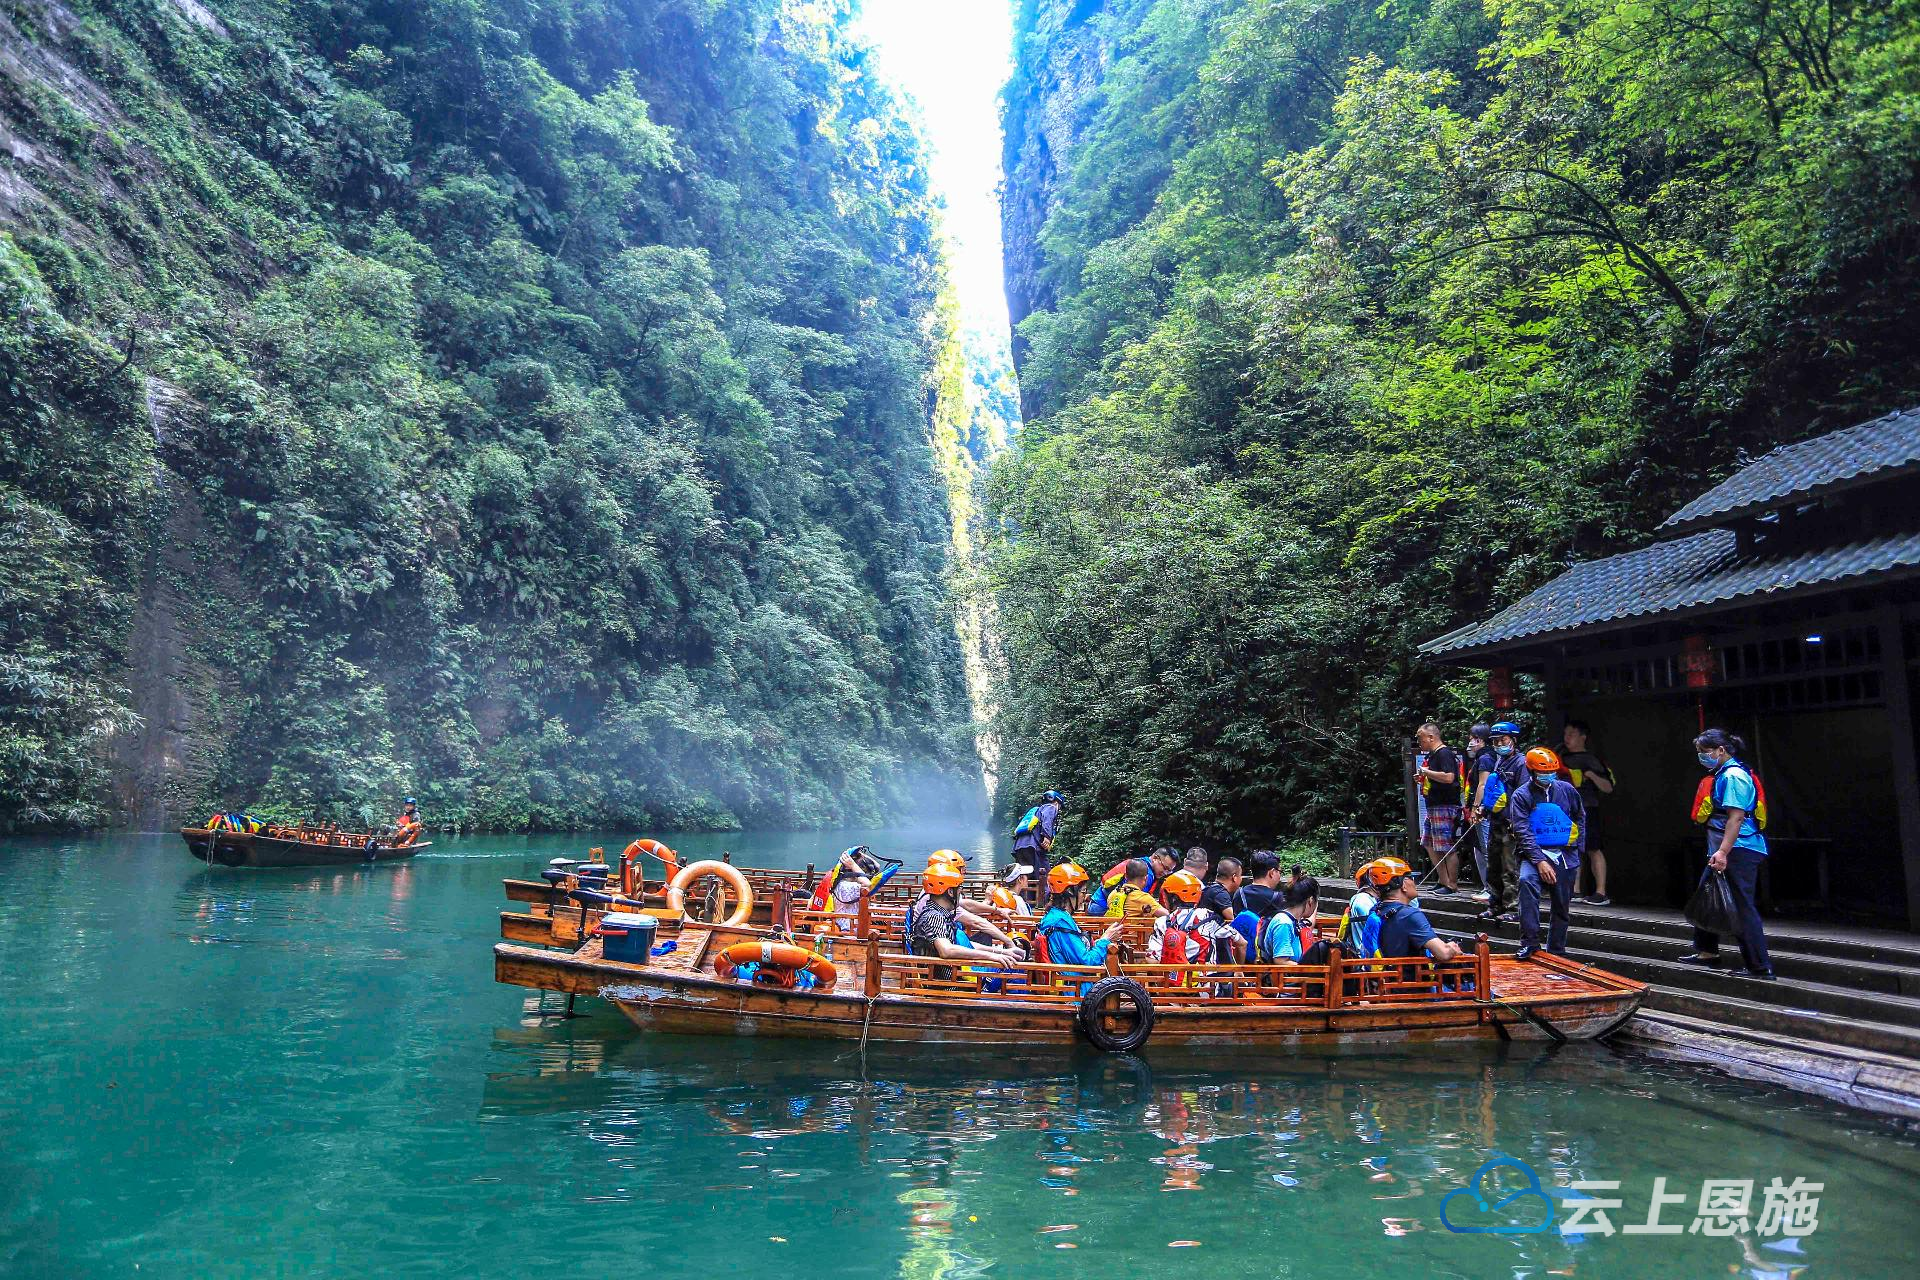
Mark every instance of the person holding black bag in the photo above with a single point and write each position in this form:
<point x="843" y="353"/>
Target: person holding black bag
<point x="1736" y="850"/>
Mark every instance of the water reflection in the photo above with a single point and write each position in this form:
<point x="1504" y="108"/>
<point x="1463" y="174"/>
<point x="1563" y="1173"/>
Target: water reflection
<point x="1068" y="1145"/>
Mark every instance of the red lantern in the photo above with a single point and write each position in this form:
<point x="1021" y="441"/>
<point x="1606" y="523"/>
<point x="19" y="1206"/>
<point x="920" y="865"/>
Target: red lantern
<point x="1500" y="688"/>
<point x="1696" y="660"/>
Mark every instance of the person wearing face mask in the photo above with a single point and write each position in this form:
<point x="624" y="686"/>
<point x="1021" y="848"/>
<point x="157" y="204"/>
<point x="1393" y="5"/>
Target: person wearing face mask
<point x="1508" y="776"/>
<point x="1546" y="816"/>
<point x="1735" y="848"/>
<point x="1480" y="762"/>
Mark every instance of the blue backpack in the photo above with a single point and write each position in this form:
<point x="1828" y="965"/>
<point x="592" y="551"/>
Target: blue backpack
<point x="1028" y="824"/>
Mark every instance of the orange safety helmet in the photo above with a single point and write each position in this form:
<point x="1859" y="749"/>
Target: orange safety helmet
<point x="1380" y="872"/>
<point x="1066" y="876"/>
<point x="953" y="856"/>
<point x="941" y="875"/>
<point x="1543" y="760"/>
<point x="1004" y="898"/>
<point x="1185" y="886"/>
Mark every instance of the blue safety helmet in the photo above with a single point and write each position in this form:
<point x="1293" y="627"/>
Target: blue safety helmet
<point x="408" y="800"/>
<point x="1508" y="728"/>
<point x="1055" y="797"/>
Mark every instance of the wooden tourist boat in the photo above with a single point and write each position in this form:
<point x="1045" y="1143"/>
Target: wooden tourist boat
<point x="565" y="904"/>
<point x="880" y="994"/>
<point x="294" y="847"/>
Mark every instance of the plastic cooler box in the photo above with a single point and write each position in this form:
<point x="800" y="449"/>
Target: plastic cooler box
<point x="627" y="938"/>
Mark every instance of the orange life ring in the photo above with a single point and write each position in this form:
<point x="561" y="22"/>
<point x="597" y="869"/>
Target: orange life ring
<point x="630" y="879"/>
<point x="677" y="887"/>
<point x="780" y="963"/>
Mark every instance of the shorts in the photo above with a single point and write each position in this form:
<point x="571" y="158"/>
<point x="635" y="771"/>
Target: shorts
<point x="1592" y="828"/>
<point x="1442" y="827"/>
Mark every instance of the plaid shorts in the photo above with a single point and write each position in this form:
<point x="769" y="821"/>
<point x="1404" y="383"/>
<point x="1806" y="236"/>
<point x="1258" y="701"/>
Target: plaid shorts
<point x="1442" y="827"/>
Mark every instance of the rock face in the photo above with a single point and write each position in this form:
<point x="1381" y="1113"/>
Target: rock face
<point x="1061" y="50"/>
<point x="528" y="407"/>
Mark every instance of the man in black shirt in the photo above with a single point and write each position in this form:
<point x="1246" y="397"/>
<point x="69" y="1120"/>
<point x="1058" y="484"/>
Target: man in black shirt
<point x="1440" y="778"/>
<point x="1260" y="893"/>
<point x="1588" y="772"/>
<point x="1217" y="898"/>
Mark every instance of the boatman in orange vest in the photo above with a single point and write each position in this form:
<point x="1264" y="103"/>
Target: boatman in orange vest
<point x="407" y="827"/>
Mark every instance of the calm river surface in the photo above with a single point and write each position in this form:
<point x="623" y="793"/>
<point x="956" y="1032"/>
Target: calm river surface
<point x="235" y="1073"/>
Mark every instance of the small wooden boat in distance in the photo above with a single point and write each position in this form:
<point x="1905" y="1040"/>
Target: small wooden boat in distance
<point x="294" y="847"/>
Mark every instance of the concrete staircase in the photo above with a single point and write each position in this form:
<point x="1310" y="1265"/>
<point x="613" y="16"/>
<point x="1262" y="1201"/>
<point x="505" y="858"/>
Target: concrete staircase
<point x="1837" y="985"/>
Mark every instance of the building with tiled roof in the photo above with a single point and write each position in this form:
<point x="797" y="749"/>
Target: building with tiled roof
<point x="1782" y="603"/>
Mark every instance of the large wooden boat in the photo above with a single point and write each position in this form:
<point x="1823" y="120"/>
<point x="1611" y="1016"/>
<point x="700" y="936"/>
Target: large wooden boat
<point x="877" y="993"/>
<point x="294" y="847"/>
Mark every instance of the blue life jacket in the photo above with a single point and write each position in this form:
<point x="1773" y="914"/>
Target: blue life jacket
<point x="1249" y="926"/>
<point x="1551" y="825"/>
<point x="1028" y="823"/>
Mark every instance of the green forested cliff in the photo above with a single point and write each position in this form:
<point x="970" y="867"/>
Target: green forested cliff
<point x="1342" y="323"/>
<point x="530" y="404"/>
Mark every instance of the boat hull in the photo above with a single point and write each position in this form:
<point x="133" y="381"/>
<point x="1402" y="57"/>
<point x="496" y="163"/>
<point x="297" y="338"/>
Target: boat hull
<point x="692" y="1003"/>
<point x="239" y="849"/>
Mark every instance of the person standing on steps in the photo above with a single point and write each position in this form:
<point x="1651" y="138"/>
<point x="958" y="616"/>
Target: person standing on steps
<point x="1033" y="838"/>
<point x="1585" y="770"/>
<point x="1508" y="776"/>
<point x="1479" y="760"/>
<point x="1736" y="849"/>
<point x="1439" y="776"/>
<point x="1546" y="817"/>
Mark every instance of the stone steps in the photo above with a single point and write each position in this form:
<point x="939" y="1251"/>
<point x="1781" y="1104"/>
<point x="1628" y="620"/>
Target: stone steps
<point x="1839" y="986"/>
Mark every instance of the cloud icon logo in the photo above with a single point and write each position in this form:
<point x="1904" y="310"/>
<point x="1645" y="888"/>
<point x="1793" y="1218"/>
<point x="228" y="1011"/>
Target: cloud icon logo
<point x="1513" y="1214"/>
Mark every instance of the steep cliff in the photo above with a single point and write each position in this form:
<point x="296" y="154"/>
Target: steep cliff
<point x="530" y="406"/>
<point x="1343" y="323"/>
<point x="1061" y="50"/>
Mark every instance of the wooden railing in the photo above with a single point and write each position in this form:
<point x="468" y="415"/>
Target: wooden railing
<point x="1338" y="984"/>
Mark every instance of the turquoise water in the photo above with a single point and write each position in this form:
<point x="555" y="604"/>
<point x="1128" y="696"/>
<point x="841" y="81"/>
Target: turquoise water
<point x="234" y="1073"/>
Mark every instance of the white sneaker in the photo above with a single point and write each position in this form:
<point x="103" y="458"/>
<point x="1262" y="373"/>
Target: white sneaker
<point x="1483" y="896"/>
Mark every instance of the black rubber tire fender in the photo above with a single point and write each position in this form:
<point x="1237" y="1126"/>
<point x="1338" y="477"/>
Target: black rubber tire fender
<point x="1095" y="1029"/>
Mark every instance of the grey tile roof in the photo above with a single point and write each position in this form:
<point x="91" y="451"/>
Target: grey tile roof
<point x="1700" y="569"/>
<point x="1876" y="450"/>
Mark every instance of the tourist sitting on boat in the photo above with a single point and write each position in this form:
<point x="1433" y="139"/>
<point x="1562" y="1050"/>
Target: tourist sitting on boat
<point x="1161" y="863"/>
<point x="1404" y="927"/>
<point x="1018" y="879"/>
<point x="975" y="914"/>
<point x="1194" y="931"/>
<point x="1261" y="894"/>
<point x="1008" y="901"/>
<point x="407" y="827"/>
<point x="1547" y="817"/>
<point x="1359" y="933"/>
<point x="1133" y="899"/>
<point x="934" y="922"/>
<point x="852" y="881"/>
<point x="1288" y="937"/>
<point x="1218" y="899"/>
<point x="1060" y="939"/>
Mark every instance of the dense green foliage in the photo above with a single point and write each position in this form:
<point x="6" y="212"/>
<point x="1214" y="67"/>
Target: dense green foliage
<point x="1368" y="317"/>
<point x="532" y="409"/>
